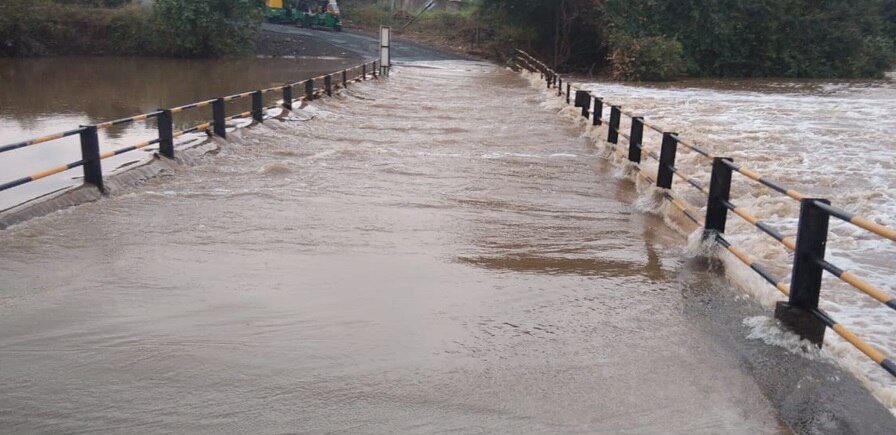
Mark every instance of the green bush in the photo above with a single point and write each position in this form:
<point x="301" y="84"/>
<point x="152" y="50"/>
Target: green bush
<point x="205" y="28"/>
<point x="366" y="15"/>
<point x="96" y="3"/>
<point x="652" y="58"/>
<point x="21" y="24"/>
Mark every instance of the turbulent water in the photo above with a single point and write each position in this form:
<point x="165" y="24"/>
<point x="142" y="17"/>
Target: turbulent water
<point x="827" y="140"/>
<point x="43" y="96"/>
<point x="436" y="252"/>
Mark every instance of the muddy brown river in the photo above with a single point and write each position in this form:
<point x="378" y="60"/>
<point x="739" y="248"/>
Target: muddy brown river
<point x="438" y="252"/>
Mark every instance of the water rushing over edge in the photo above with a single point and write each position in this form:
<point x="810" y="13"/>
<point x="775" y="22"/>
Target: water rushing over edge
<point x="831" y="140"/>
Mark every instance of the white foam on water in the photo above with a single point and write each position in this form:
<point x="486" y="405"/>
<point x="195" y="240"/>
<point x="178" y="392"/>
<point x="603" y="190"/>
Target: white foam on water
<point x="769" y="332"/>
<point x="826" y="140"/>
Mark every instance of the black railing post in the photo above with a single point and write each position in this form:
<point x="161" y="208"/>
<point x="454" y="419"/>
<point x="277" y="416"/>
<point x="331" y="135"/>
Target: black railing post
<point x="257" y="111"/>
<point x="309" y="90"/>
<point x="218" y="116"/>
<point x="375" y="72"/>
<point x="560" y="87"/>
<point x="328" y="85"/>
<point x="719" y="193"/>
<point x="90" y="153"/>
<point x="344" y="78"/>
<point x="548" y="78"/>
<point x="598" y="111"/>
<point x="635" y="139"/>
<point x="364" y="72"/>
<point x="166" y="134"/>
<point x="613" y="129"/>
<point x="667" y="160"/>
<point x="568" y="90"/>
<point x="805" y="283"/>
<point x="287" y="97"/>
<point x="583" y="100"/>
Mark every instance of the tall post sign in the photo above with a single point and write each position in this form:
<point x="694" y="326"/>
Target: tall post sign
<point x="385" y="50"/>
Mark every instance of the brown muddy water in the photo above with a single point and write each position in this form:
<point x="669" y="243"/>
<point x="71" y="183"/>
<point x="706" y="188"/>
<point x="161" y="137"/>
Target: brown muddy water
<point x="49" y="95"/>
<point x="439" y="252"/>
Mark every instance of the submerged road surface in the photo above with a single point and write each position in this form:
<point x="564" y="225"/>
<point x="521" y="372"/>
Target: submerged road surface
<point x="363" y="45"/>
<point x="432" y="253"/>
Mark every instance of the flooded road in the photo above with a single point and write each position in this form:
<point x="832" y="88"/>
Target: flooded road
<point x="43" y="96"/>
<point x="436" y="252"/>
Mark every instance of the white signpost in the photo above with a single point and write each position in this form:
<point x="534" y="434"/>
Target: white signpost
<point x="385" y="53"/>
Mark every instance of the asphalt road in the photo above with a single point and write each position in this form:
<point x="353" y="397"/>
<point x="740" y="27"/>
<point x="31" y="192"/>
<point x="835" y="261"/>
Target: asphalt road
<point x="366" y="45"/>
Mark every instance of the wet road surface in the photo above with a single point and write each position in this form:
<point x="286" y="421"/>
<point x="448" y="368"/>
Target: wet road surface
<point x="432" y="253"/>
<point x="365" y="45"/>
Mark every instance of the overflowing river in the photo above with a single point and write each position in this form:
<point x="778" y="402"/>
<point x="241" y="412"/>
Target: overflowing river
<point x="826" y="140"/>
<point x="435" y="252"/>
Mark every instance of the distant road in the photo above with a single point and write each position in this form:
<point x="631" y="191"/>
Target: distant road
<point x="366" y="45"/>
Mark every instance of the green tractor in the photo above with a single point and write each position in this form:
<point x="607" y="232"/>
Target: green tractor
<point x="319" y="13"/>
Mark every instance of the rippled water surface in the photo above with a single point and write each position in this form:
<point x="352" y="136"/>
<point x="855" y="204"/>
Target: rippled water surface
<point x="435" y="252"/>
<point x="44" y="96"/>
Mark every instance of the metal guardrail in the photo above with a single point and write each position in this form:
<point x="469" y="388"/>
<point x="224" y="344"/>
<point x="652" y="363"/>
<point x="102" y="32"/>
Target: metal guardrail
<point x="801" y="312"/>
<point x="89" y="137"/>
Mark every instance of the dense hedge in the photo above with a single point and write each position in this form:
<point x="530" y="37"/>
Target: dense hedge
<point x="651" y="39"/>
<point x="187" y="28"/>
<point x="762" y="38"/>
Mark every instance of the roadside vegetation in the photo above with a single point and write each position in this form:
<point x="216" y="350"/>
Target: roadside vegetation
<point x="183" y="28"/>
<point x="662" y="40"/>
<point x="620" y="39"/>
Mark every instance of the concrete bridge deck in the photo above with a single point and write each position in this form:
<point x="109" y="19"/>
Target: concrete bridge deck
<point x="429" y="254"/>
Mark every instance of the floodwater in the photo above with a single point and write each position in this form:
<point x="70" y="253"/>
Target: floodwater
<point x="834" y="140"/>
<point x="43" y="96"/>
<point x="438" y="252"/>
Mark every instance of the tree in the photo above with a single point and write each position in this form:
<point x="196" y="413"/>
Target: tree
<point x="206" y="28"/>
<point x="567" y="30"/>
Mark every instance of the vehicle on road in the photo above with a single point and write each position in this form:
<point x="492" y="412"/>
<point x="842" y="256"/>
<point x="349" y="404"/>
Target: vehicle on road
<point x="305" y="13"/>
<point x="321" y="13"/>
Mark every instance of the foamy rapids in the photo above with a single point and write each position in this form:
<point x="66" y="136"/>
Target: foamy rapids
<point x="826" y="140"/>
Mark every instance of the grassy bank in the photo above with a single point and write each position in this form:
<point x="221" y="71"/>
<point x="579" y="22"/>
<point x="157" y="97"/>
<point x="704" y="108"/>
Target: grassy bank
<point x="181" y="28"/>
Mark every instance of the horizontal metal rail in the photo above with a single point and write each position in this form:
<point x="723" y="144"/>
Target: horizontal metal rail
<point x="859" y="221"/>
<point x="238" y="96"/>
<point x="863" y="346"/>
<point x="859" y="283"/>
<point x="752" y="264"/>
<point x="128" y="119"/>
<point x="203" y="126"/>
<point x="192" y="106"/>
<point x="120" y="151"/>
<point x="788" y="242"/>
<point x="40" y="140"/>
<point x="42" y="174"/>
